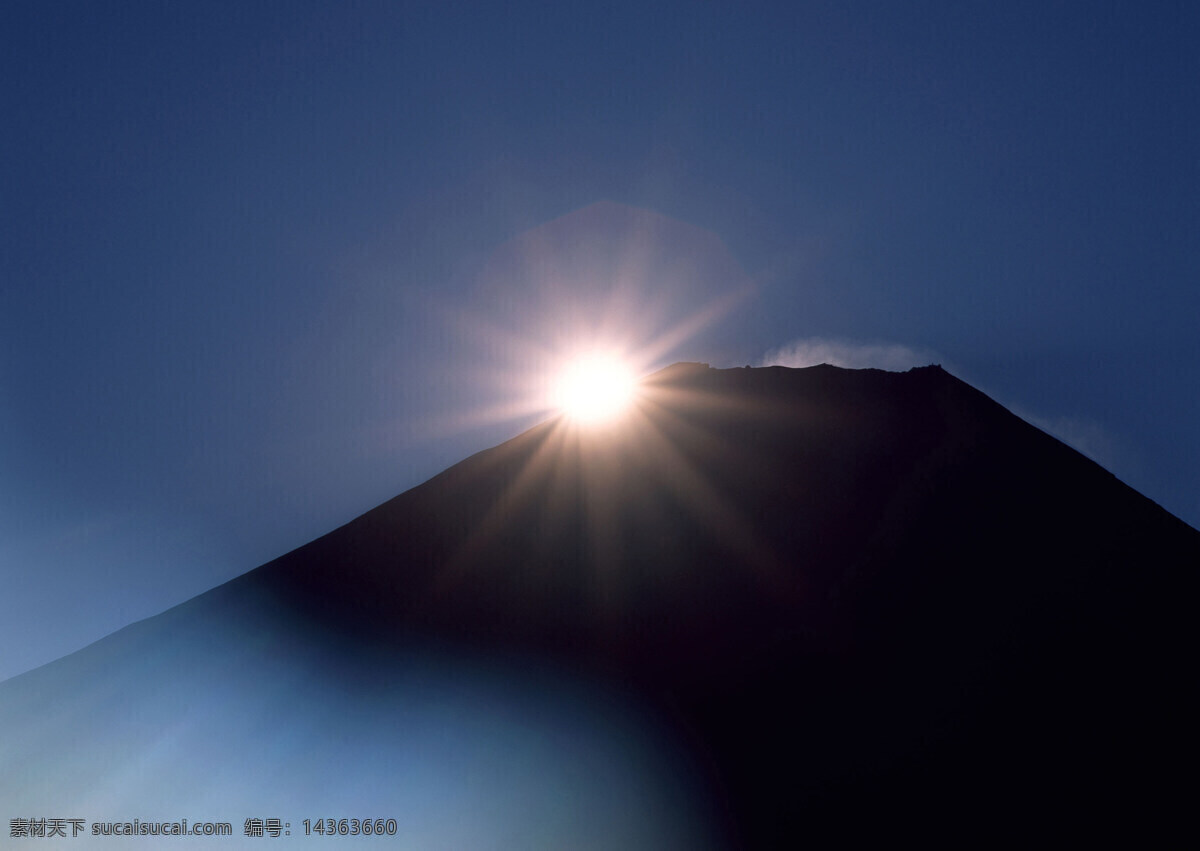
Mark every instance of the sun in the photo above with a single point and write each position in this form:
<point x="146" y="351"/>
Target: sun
<point x="595" y="388"/>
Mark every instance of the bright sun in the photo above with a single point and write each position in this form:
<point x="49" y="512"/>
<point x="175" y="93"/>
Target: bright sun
<point x="594" y="388"/>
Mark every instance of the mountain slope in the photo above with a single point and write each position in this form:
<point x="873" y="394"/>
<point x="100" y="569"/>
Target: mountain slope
<point x="785" y="603"/>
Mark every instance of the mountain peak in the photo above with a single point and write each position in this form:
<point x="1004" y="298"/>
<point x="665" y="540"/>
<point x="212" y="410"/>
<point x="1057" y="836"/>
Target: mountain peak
<point x="833" y="591"/>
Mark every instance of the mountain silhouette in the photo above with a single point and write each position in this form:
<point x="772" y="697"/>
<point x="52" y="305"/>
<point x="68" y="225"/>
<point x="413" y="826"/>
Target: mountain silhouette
<point x="769" y="606"/>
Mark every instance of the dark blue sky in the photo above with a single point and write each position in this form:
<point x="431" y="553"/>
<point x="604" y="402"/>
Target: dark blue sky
<point x="264" y="265"/>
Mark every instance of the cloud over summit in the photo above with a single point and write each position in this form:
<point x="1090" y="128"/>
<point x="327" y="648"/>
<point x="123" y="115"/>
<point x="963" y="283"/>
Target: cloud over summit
<point x="851" y="354"/>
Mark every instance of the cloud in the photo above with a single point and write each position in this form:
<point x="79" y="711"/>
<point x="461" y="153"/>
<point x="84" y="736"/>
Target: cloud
<point x="1084" y="435"/>
<point x="848" y="353"/>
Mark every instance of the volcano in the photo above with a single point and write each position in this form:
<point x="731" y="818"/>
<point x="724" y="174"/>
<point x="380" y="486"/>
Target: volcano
<point x="769" y="606"/>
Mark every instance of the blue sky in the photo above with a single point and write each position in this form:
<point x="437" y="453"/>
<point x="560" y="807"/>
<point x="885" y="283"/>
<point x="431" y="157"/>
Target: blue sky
<point x="264" y="265"/>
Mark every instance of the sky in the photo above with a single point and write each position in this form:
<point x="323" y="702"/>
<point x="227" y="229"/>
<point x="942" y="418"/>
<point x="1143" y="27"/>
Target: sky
<point x="264" y="265"/>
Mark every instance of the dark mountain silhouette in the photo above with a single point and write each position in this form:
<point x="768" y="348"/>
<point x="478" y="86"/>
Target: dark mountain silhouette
<point x="773" y="606"/>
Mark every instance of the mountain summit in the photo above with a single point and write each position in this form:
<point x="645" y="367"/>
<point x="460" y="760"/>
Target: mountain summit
<point x="769" y="605"/>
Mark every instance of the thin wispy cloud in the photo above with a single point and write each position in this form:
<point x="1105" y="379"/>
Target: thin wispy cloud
<point x="811" y="351"/>
<point x="1084" y="435"/>
<point x="1079" y="432"/>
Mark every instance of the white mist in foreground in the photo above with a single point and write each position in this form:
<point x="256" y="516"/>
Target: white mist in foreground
<point x="224" y="719"/>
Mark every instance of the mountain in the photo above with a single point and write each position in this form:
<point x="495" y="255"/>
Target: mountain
<point x="770" y="606"/>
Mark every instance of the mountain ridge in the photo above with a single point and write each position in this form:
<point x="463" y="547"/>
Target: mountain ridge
<point x="837" y="590"/>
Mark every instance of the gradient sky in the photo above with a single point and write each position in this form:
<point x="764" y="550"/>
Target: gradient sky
<point x="265" y="265"/>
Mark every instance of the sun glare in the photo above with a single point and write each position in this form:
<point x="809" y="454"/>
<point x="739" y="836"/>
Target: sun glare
<point x="595" y="388"/>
